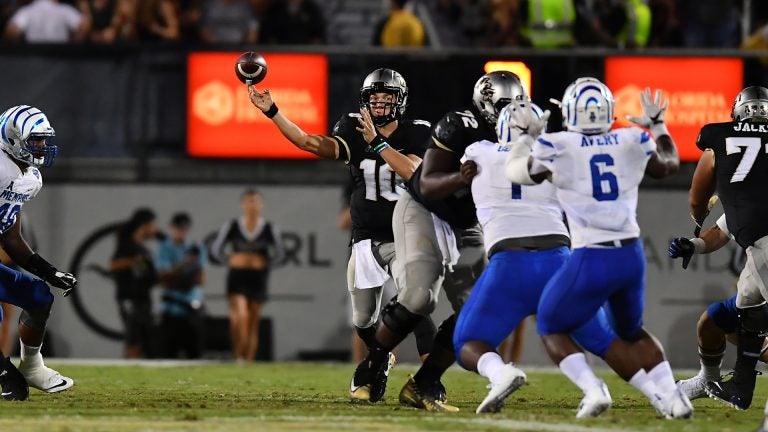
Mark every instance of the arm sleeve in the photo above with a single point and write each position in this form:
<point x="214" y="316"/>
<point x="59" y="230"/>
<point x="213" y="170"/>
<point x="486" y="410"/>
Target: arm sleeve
<point x="20" y="19"/>
<point x="647" y="143"/>
<point x="702" y="142"/>
<point x="73" y="18"/>
<point x="544" y="152"/>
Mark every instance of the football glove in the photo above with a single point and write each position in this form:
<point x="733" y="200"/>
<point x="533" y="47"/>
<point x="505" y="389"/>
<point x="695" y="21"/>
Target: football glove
<point x="681" y="247"/>
<point x="653" y="109"/>
<point x="65" y="281"/>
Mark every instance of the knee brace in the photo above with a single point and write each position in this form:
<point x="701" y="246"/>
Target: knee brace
<point x="36" y="319"/>
<point x="444" y="336"/>
<point x="753" y="321"/>
<point x="398" y="319"/>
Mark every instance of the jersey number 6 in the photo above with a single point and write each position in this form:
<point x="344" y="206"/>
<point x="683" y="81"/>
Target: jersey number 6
<point x="602" y="177"/>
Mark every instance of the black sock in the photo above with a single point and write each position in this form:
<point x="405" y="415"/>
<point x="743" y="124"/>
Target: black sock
<point x="367" y="334"/>
<point x="442" y="355"/>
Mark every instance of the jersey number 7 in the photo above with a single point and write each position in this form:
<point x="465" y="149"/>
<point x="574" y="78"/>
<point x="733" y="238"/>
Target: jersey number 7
<point x="733" y="145"/>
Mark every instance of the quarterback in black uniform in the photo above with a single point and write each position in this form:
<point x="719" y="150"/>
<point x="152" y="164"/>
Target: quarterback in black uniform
<point x="382" y="150"/>
<point x="735" y="163"/>
<point x="436" y="212"/>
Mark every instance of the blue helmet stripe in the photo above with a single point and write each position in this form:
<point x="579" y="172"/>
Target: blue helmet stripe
<point x="38" y="122"/>
<point x="546" y="143"/>
<point x="29" y="117"/>
<point x="21" y="111"/>
<point x="5" y="121"/>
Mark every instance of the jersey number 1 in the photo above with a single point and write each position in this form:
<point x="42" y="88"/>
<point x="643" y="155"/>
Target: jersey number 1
<point x="373" y="187"/>
<point x="752" y="145"/>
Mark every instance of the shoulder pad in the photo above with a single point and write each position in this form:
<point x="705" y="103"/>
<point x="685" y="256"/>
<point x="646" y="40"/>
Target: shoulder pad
<point x="344" y="124"/>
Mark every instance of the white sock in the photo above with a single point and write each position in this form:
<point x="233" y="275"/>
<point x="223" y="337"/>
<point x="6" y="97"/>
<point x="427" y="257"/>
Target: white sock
<point x="643" y="382"/>
<point x="29" y="352"/>
<point x="577" y="370"/>
<point x="489" y="365"/>
<point x="710" y="373"/>
<point x="661" y="375"/>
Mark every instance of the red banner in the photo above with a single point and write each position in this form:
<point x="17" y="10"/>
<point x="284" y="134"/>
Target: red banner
<point x="222" y="122"/>
<point x="700" y="91"/>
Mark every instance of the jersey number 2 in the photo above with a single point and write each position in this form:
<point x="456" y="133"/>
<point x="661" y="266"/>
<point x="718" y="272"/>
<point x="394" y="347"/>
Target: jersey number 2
<point x="373" y="187"/>
<point x="603" y="177"/>
<point x="752" y="145"/>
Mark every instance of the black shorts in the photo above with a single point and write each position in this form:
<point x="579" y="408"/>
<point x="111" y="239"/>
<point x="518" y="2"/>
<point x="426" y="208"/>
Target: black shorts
<point x="250" y="283"/>
<point x="137" y="320"/>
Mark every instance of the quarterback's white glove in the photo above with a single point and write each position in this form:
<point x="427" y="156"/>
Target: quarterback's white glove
<point x="653" y="113"/>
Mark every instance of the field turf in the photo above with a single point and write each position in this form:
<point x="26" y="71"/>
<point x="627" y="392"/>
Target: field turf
<point x="313" y="397"/>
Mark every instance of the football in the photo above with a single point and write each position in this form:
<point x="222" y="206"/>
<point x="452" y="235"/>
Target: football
<point x="251" y="66"/>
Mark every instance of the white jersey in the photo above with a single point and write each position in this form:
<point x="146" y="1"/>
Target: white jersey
<point x="17" y="187"/>
<point x="597" y="177"/>
<point x="506" y="210"/>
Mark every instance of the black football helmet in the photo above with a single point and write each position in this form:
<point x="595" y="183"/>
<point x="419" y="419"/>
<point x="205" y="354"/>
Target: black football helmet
<point x="495" y="90"/>
<point x="385" y="81"/>
<point x="752" y="102"/>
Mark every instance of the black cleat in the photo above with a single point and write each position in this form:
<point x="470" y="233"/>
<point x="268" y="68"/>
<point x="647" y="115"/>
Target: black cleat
<point x="379" y="376"/>
<point x="360" y="387"/>
<point x="736" y="392"/>
<point x="12" y="382"/>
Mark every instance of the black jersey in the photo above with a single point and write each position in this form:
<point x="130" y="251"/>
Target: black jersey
<point x="376" y="188"/>
<point x="264" y="240"/>
<point x="456" y="131"/>
<point x="741" y="170"/>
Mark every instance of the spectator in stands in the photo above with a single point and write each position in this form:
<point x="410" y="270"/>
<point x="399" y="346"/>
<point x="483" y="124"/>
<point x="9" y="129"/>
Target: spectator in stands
<point x="401" y="28"/>
<point x="612" y="23"/>
<point x="158" y="20"/>
<point x="190" y="18"/>
<point x="549" y="23"/>
<point x="293" y="22"/>
<point x="133" y="269"/>
<point x="665" y="24"/>
<point x="473" y="20"/>
<point x="505" y="28"/>
<point x="47" y="21"/>
<point x="252" y="246"/>
<point x="101" y="14"/>
<point x="710" y="23"/>
<point x="229" y="21"/>
<point x="180" y="266"/>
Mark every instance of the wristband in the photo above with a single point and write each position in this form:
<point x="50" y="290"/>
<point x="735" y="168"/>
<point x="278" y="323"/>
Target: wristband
<point x="658" y="129"/>
<point x="39" y="267"/>
<point x="272" y="111"/>
<point x="698" y="245"/>
<point x="378" y="144"/>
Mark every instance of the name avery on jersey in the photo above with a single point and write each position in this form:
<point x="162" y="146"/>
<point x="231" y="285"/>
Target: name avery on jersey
<point x="10" y="195"/>
<point x="600" y="140"/>
<point x="750" y="127"/>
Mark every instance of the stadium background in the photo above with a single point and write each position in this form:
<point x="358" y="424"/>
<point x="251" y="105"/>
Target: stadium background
<point x="123" y="116"/>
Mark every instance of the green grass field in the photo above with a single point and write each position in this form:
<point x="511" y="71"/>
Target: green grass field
<point x="307" y="396"/>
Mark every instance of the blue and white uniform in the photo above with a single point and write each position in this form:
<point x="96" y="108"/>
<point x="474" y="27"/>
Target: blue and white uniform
<point x="597" y="178"/>
<point x="510" y="287"/>
<point x="18" y="187"/>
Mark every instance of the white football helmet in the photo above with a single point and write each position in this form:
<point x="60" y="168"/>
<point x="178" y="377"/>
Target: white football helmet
<point x="508" y="129"/>
<point x="587" y="107"/>
<point x="25" y="134"/>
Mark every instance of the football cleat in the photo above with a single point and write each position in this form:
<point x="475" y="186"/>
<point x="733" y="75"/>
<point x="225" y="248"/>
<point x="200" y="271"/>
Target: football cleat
<point x="736" y="392"/>
<point x="595" y="402"/>
<point x="413" y="396"/>
<point x="360" y="386"/>
<point x="44" y="378"/>
<point x="676" y="405"/>
<point x="513" y="379"/>
<point x="693" y="388"/>
<point x="12" y="383"/>
<point x="379" y="376"/>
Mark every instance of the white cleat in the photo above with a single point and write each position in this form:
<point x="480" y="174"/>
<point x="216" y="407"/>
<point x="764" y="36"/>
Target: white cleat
<point x="693" y="388"/>
<point x="595" y="402"/>
<point x="44" y="378"/>
<point x="512" y="380"/>
<point x="677" y="405"/>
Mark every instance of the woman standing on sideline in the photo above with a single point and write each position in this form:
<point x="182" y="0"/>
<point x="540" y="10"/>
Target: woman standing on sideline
<point x="251" y="246"/>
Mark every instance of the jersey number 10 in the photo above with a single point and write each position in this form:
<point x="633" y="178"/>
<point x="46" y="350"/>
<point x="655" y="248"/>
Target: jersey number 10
<point x="373" y="183"/>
